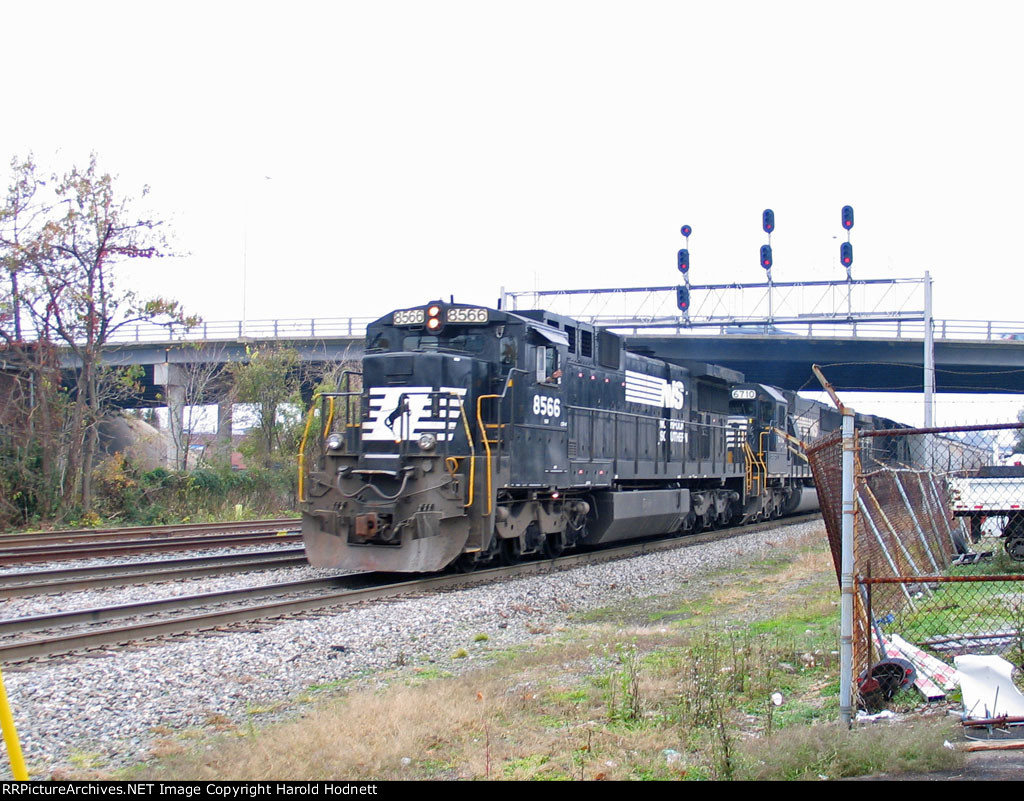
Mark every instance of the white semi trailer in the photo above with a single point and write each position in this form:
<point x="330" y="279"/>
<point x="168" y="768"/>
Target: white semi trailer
<point x="992" y="493"/>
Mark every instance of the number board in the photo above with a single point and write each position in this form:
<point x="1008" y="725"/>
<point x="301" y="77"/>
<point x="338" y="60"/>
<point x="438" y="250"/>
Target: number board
<point x="466" y="316"/>
<point x="409" y="317"/>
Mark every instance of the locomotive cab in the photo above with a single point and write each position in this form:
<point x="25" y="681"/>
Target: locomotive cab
<point x="760" y="414"/>
<point x="778" y="473"/>
<point x="394" y="481"/>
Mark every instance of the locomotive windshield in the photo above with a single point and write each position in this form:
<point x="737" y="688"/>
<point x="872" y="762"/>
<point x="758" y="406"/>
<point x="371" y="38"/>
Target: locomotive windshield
<point x="453" y="339"/>
<point x="458" y="341"/>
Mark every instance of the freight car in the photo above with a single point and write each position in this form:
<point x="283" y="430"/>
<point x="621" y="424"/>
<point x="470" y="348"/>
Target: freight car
<point x="474" y="435"/>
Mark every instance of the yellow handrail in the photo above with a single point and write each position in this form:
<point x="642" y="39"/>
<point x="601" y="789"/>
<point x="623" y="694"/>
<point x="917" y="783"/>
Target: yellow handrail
<point x="330" y="416"/>
<point x="487" y="446"/>
<point x="472" y="453"/>
<point x="760" y="458"/>
<point x="748" y="459"/>
<point x="302" y="448"/>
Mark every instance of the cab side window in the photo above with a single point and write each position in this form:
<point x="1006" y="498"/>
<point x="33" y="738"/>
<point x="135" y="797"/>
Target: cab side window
<point x="548" y="366"/>
<point x="508" y="353"/>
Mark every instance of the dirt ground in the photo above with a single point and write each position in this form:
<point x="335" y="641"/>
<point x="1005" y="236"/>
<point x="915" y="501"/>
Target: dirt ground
<point x="982" y="766"/>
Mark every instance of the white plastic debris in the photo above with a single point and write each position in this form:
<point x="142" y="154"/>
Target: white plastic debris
<point x="885" y="714"/>
<point x="987" y="686"/>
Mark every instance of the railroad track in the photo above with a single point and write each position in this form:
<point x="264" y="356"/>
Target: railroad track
<point x="143" y="532"/>
<point x="66" y="545"/>
<point x="62" y="633"/>
<point x="41" y="582"/>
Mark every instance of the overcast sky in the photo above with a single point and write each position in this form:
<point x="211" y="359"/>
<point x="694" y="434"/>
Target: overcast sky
<point x="421" y="149"/>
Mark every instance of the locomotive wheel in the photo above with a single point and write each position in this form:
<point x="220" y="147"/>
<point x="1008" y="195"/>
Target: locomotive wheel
<point x="511" y="552"/>
<point x="465" y="563"/>
<point x="554" y="545"/>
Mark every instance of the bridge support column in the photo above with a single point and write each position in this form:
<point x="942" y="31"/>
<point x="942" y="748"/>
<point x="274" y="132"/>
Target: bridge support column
<point x="225" y="445"/>
<point x="173" y="381"/>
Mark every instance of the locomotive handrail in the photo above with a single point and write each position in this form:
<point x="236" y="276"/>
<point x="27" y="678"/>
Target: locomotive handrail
<point x="345" y="376"/>
<point x="750" y="458"/>
<point x="305" y="434"/>
<point x="330" y="417"/>
<point x="795" y="446"/>
<point x="768" y="431"/>
<point x="487" y="444"/>
<point x="472" y="454"/>
<point x="302" y="448"/>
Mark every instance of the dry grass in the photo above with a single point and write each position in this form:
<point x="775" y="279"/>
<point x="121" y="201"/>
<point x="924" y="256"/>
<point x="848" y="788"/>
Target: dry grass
<point x="608" y="700"/>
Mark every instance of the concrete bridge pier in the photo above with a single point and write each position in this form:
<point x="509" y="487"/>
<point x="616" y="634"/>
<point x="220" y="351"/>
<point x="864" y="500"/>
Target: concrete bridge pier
<point x="171" y="377"/>
<point x="175" y="380"/>
<point x="225" y="444"/>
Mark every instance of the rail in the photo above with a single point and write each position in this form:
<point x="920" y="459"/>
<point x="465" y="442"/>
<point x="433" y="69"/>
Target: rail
<point x="355" y="327"/>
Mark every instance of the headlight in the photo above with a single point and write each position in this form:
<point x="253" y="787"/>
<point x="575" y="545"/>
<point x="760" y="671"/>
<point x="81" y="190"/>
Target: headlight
<point x="334" y="442"/>
<point x="427" y="442"/>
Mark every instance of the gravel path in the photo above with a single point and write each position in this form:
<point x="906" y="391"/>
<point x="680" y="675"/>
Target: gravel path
<point x="102" y="710"/>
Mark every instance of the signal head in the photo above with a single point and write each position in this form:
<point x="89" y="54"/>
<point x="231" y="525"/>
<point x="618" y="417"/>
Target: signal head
<point x="847" y="217"/>
<point x="766" y="256"/>
<point x="846" y="254"/>
<point x="686" y="230"/>
<point x="683" y="298"/>
<point x="768" y="220"/>
<point x="683" y="261"/>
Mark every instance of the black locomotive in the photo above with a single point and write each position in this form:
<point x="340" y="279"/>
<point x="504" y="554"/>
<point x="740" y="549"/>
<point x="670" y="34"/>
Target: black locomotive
<point x="474" y="434"/>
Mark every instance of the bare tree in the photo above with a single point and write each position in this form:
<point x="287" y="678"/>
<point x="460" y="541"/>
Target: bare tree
<point x="60" y="256"/>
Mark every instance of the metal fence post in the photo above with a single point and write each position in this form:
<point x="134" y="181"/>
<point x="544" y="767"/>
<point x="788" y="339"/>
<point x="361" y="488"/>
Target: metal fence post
<point x="846" y="578"/>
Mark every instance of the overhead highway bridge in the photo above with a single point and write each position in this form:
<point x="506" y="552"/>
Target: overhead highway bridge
<point x="970" y="356"/>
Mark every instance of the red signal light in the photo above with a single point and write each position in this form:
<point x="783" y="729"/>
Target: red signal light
<point x="846" y="254"/>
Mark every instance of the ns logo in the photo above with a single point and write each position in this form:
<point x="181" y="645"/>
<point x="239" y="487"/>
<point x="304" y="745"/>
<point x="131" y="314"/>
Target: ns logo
<point x="673" y="395"/>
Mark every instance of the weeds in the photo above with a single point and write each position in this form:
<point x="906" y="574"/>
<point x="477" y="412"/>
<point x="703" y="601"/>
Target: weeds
<point x="664" y="701"/>
<point x="623" y="687"/>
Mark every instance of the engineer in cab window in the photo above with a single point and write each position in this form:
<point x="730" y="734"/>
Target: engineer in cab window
<point x="552" y="372"/>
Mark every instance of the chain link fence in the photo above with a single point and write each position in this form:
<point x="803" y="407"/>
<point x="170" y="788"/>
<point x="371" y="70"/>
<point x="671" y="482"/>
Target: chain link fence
<point x="938" y="549"/>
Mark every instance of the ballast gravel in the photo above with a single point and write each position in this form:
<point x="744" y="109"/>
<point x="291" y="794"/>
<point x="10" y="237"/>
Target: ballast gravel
<point x="107" y="709"/>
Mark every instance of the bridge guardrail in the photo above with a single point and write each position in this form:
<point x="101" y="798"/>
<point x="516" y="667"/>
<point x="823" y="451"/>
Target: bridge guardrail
<point x="981" y="330"/>
<point x="319" y="328"/>
<point x="299" y="328"/>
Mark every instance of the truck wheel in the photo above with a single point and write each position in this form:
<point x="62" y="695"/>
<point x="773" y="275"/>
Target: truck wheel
<point x="1015" y="548"/>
